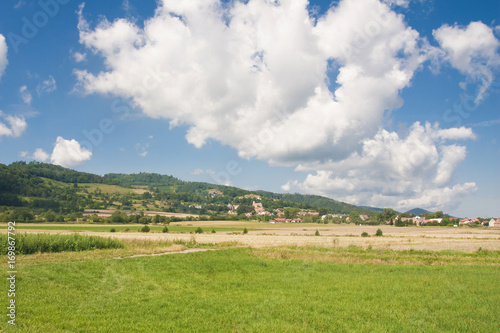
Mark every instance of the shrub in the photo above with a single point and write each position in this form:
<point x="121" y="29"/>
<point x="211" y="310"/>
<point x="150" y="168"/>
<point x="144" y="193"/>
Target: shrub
<point x="199" y="230"/>
<point x="113" y="230"/>
<point x="165" y="229"/>
<point x="365" y="234"/>
<point x="145" y="229"/>
<point x="245" y="231"/>
<point x="316" y="233"/>
<point x="379" y="233"/>
<point x="213" y="231"/>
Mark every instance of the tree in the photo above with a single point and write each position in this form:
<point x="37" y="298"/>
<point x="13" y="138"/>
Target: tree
<point x="386" y="215"/>
<point x="379" y="233"/>
<point x="145" y="229"/>
<point x="291" y="213"/>
<point x="322" y="211"/>
<point x="116" y="217"/>
<point x="354" y="217"/>
<point x="242" y="209"/>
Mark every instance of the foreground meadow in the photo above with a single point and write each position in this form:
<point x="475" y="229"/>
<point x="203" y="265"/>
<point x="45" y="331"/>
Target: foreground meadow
<point x="237" y="289"/>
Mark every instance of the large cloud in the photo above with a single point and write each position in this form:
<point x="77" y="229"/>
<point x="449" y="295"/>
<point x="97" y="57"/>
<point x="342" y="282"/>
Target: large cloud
<point x="472" y="50"/>
<point x="3" y="55"/>
<point x="271" y="81"/>
<point x="251" y="74"/>
<point x="69" y="153"/>
<point x="409" y="172"/>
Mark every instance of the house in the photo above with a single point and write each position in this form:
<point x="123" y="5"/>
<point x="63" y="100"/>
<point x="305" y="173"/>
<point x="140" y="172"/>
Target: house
<point x="232" y="212"/>
<point x="364" y="217"/>
<point x="258" y="206"/>
<point x="279" y="212"/>
<point x="465" y="221"/>
<point x="432" y="220"/>
<point x="264" y="213"/>
<point x="418" y="220"/>
<point x="494" y="223"/>
<point x="212" y="193"/>
<point x="248" y="214"/>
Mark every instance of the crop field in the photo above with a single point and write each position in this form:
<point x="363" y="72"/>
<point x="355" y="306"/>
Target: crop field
<point x="272" y="279"/>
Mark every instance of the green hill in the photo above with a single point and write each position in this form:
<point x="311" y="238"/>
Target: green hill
<point x="39" y="188"/>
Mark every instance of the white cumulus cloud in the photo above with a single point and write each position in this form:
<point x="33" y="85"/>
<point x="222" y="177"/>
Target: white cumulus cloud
<point x="250" y="74"/>
<point x="12" y="126"/>
<point x="40" y="155"/>
<point x="393" y="171"/>
<point x="69" y="153"/>
<point x="3" y="55"/>
<point x="473" y="50"/>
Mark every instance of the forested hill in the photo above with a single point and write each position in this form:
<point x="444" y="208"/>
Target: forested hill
<point x="56" y="172"/>
<point x="47" y="186"/>
<point x="165" y="182"/>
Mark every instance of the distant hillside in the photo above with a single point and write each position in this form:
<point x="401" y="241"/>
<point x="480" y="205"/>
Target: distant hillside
<point x="418" y="211"/>
<point x="170" y="183"/>
<point x="39" y="188"/>
<point x="374" y="209"/>
<point x="56" y="172"/>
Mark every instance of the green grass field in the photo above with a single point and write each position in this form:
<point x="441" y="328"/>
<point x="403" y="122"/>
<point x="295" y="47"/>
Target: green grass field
<point x="237" y="290"/>
<point x="105" y="188"/>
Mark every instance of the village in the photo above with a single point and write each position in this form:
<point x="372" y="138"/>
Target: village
<point x="298" y="216"/>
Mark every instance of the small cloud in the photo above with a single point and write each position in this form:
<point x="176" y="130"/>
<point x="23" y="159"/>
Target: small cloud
<point x="199" y="171"/>
<point x="46" y="86"/>
<point x="151" y="137"/>
<point x="288" y="186"/>
<point x="40" y="155"/>
<point x="126" y="5"/>
<point x="79" y="57"/>
<point x="23" y="154"/>
<point x="122" y="149"/>
<point x="142" y="148"/>
<point x="16" y="125"/>
<point x="69" y="153"/>
<point x="25" y="95"/>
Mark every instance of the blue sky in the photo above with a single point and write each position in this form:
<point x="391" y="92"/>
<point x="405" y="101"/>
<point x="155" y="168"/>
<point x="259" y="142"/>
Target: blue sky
<point x="384" y="103"/>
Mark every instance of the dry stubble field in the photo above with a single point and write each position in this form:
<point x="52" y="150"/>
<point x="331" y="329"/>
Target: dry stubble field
<point x="265" y="235"/>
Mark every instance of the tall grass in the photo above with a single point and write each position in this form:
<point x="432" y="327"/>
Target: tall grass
<point x="39" y="243"/>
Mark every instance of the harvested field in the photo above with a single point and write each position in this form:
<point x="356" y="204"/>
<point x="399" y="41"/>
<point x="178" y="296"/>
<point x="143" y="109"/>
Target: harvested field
<point x="266" y="235"/>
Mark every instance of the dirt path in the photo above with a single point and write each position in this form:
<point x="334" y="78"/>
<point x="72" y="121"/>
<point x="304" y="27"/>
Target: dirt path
<point x="164" y="253"/>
